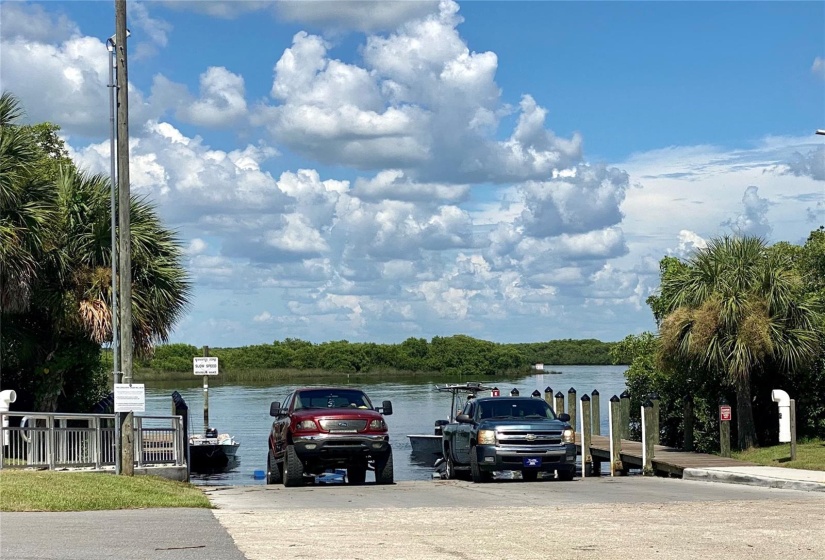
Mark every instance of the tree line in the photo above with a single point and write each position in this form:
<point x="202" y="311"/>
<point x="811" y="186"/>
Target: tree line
<point x="452" y="355"/>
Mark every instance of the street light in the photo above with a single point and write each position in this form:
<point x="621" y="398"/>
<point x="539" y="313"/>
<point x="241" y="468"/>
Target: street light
<point x="821" y="131"/>
<point x="110" y="46"/>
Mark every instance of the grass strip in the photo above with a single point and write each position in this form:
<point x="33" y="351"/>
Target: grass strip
<point x="25" y="490"/>
<point x="810" y="455"/>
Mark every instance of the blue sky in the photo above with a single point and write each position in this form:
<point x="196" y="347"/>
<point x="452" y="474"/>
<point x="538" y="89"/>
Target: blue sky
<point x="372" y="171"/>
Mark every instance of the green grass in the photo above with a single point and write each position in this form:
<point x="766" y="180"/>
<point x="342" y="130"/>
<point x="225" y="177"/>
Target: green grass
<point x="809" y="455"/>
<point x="75" y="491"/>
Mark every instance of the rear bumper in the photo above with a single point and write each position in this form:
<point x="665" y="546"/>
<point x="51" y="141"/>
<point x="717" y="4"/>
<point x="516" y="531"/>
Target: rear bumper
<point x="543" y="459"/>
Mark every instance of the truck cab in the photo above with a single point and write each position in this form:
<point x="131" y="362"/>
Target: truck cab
<point x="520" y="434"/>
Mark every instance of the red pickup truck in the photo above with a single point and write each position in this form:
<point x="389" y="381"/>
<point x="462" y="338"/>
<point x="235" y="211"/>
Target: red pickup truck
<point x="321" y="428"/>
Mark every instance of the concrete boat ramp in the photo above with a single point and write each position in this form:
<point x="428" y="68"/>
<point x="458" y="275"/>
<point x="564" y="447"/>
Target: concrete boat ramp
<point x="634" y="517"/>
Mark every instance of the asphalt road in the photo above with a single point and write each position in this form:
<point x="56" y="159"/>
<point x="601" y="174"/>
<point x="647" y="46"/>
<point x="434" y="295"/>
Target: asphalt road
<point x="632" y="517"/>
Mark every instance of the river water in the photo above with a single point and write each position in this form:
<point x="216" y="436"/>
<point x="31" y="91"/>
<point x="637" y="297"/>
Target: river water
<point x="243" y="412"/>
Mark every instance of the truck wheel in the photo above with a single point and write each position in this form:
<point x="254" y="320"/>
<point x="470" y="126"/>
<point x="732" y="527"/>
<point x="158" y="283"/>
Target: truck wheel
<point x="383" y="469"/>
<point x="566" y="474"/>
<point x="450" y="473"/>
<point x="274" y="469"/>
<point x="356" y="474"/>
<point x="478" y="474"/>
<point x="293" y="468"/>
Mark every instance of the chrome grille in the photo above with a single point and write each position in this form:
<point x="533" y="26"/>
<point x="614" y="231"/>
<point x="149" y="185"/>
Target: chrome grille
<point x="342" y="426"/>
<point x="528" y="437"/>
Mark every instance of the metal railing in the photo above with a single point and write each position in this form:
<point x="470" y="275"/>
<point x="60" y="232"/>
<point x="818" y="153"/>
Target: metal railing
<point x="60" y="440"/>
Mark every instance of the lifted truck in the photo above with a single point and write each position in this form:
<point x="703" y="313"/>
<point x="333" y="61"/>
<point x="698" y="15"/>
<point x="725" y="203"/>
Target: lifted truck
<point x="321" y="428"/>
<point x="509" y="434"/>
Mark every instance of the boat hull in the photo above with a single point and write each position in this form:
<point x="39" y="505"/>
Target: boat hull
<point x="208" y="457"/>
<point x="426" y="444"/>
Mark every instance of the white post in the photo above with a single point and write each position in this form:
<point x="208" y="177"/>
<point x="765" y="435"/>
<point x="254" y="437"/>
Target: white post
<point x="644" y="439"/>
<point x="610" y="438"/>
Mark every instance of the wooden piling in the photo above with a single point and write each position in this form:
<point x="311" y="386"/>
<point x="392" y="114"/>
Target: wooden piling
<point x="559" y="408"/>
<point x="614" y="420"/>
<point x="654" y="398"/>
<point x="596" y="425"/>
<point x="587" y="458"/>
<point x="548" y="397"/>
<point x="793" y="430"/>
<point x="647" y="439"/>
<point x="625" y="414"/>
<point x="596" y="413"/>
<point x="571" y="406"/>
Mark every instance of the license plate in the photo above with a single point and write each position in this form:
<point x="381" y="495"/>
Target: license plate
<point x="532" y="461"/>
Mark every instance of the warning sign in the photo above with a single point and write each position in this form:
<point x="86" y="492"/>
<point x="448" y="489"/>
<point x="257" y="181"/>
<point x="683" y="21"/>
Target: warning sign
<point x="724" y="413"/>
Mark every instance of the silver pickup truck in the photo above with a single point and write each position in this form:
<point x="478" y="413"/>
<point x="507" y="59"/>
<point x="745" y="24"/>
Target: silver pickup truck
<point x="509" y="434"/>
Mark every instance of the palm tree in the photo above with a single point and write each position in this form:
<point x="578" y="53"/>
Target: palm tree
<point x="55" y="268"/>
<point x="25" y="211"/>
<point x="736" y="307"/>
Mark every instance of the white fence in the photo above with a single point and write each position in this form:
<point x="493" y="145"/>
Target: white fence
<point x="57" y="440"/>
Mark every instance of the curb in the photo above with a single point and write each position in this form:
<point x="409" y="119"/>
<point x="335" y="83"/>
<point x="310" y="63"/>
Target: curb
<point x="706" y="475"/>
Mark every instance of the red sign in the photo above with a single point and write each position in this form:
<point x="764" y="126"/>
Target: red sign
<point x="724" y="413"/>
<point x="494" y="393"/>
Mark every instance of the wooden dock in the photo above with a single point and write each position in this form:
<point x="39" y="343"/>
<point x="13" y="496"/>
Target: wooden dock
<point x="667" y="461"/>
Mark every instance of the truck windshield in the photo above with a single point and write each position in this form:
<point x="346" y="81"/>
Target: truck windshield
<point x="331" y="398"/>
<point x="510" y="408"/>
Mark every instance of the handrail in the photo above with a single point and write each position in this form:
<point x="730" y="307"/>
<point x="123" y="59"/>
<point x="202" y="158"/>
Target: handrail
<point x="55" y="444"/>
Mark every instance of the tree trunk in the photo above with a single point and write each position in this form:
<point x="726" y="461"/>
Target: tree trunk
<point x="744" y="415"/>
<point x="48" y="393"/>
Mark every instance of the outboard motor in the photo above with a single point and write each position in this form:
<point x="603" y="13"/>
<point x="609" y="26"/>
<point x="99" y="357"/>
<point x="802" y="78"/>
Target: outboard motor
<point x="438" y="426"/>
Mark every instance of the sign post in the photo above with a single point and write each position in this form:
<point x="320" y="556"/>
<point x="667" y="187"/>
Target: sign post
<point x="725" y="416"/>
<point x="205" y="366"/>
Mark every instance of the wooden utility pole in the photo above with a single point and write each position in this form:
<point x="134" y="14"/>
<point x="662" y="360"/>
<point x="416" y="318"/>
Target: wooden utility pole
<point x="125" y="254"/>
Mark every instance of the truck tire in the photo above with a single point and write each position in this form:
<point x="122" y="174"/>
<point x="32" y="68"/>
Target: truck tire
<point x="293" y="468"/>
<point x="450" y="473"/>
<point x="476" y="472"/>
<point x="356" y="473"/>
<point x="566" y="474"/>
<point x="274" y="469"/>
<point x="383" y="469"/>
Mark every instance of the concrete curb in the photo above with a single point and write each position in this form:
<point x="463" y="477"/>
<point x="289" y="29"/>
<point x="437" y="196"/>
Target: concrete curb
<point x="752" y="479"/>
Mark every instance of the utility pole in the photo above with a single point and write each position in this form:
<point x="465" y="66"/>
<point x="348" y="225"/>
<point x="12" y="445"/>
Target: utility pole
<point x="125" y="253"/>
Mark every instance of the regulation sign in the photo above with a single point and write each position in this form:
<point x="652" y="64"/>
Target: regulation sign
<point x="130" y="398"/>
<point x="205" y="366"/>
<point x="724" y="413"/>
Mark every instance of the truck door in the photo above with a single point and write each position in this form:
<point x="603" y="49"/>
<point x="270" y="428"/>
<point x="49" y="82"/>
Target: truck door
<point x="463" y="433"/>
<point x="280" y="427"/>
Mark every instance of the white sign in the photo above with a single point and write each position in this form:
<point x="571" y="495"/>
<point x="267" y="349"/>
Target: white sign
<point x="130" y="398"/>
<point x="205" y="366"/>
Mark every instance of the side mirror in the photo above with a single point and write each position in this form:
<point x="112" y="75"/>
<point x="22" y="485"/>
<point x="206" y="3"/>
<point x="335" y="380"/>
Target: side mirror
<point x="564" y="417"/>
<point x="275" y="409"/>
<point x="463" y="419"/>
<point x="386" y="408"/>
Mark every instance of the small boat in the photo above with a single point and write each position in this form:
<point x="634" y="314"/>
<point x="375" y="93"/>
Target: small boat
<point x="428" y="446"/>
<point x="212" y="452"/>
